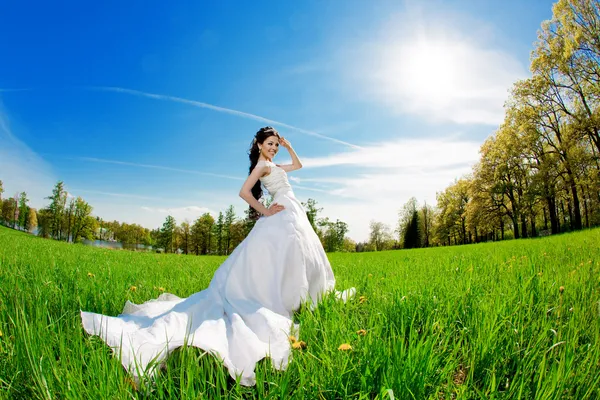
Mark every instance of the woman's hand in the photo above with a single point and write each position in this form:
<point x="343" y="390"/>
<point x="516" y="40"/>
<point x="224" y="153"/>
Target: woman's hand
<point x="274" y="209"/>
<point x="284" y="143"/>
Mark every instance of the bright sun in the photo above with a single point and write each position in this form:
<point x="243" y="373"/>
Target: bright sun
<point x="430" y="69"/>
<point x="426" y="71"/>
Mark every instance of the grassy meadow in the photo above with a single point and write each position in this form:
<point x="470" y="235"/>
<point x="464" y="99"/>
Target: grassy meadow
<point x="517" y="319"/>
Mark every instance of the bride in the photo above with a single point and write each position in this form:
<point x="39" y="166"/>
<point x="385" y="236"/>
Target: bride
<point x="245" y="314"/>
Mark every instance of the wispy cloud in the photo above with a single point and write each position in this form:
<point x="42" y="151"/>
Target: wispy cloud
<point x="21" y="169"/>
<point x="223" y="110"/>
<point x="432" y="64"/>
<point x="151" y="166"/>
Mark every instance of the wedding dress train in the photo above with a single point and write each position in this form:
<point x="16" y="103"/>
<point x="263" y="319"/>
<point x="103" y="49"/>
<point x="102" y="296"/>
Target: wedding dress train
<point x="245" y="314"/>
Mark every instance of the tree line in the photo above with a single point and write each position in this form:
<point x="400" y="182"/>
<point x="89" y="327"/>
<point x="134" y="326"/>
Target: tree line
<point x="207" y="235"/>
<point x="70" y="219"/>
<point x="539" y="172"/>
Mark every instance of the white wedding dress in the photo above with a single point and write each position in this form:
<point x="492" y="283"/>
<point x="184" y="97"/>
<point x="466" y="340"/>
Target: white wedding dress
<point x="245" y="314"/>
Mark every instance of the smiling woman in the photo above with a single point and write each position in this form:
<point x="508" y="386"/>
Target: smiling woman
<point x="245" y="314"/>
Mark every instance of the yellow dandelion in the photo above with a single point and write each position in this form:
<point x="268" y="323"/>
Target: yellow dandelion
<point x="561" y="289"/>
<point x="0" y="332"/>
<point x="361" y="332"/>
<point x="292" y="338"/>
<point x="91" y="275"/>
<point x="362" y="299"/>
<point x="370" y="275"/>
<point x="299" y="345"/>
<point x="161" y="289"/>
<point x="345" y="347"/>
<point x="133" y="288"/>
<point x="540" y="273"/>
<point x="131" y="383"/>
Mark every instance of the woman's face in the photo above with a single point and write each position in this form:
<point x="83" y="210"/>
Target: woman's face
<point x="270" y="147"/>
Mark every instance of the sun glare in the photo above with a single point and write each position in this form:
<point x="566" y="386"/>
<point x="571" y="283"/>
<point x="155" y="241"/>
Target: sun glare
<point x="430" y="69"/>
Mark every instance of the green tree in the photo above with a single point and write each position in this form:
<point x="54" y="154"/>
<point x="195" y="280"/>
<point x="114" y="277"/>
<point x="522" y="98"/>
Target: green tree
<point x="167" y="235"/>
<point x="566" y="56"/>
<point x="58" y="201"/>
<point x="32" y="221"/>
<point x="536" y="101"/>
<point x="185" y="236"/>
<point x="68" y="218"/>
<point x="44" y="222"/>
<point x="409" y="230"/>
<point x="201" y="234"/>
<point x="23" y="210"/>
<point x="333" y="234"/>
<point x="15" y="216"/>
<point x="238" y="233"/>
<point x="9" y="206"/>
<point x="312" y="212"/>
<point x="380" y="236"/>
<point x="219" y="234"/>
<point x="83" y="224"/>
<point x="349" y="245"/>
<point x="426" y="218"/>
<point x="412" y="233"/>
<point x="227" y="225"/>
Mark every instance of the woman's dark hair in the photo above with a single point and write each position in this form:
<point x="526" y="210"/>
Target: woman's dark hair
<point x="254" y="153"/>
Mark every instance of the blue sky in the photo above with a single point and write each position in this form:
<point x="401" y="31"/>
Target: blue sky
<point x="147" y="109"/>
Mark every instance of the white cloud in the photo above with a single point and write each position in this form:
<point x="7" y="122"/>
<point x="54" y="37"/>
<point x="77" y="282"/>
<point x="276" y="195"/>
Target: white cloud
<point x="388" y="175"/>
<point x="403" y="153"/>
<point x="21" y="169"/>
<point x="436" y="67"/>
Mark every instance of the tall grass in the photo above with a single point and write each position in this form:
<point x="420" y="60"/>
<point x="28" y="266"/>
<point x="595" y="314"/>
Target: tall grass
<point x="478" y="321"/>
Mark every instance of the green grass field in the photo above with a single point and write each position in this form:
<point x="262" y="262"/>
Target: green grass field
<point x="478" y="321"/>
